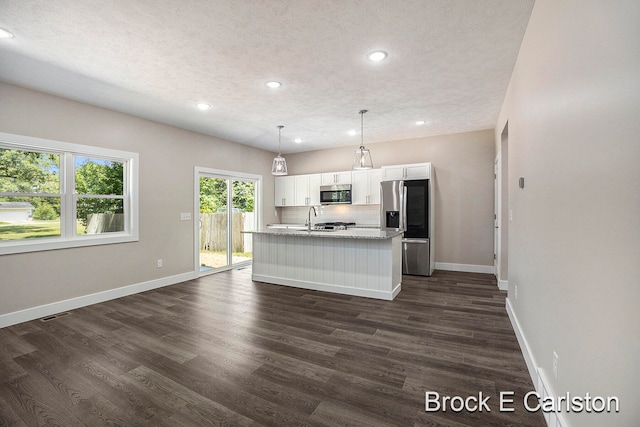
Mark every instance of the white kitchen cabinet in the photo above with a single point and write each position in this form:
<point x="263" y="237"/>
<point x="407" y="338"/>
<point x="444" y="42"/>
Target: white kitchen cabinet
<point x="375" y="177"/>
<point x="366" y="187"/>
<point x="307" y="190"/>
<point x="410" y="171"/>
<point x="336" y="178"/>
<point x="392" y="173"/>
<point x="284" y="191"/>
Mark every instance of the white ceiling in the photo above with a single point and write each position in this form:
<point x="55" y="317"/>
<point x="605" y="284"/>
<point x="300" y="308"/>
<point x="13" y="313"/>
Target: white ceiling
<point x="449" y="63"/>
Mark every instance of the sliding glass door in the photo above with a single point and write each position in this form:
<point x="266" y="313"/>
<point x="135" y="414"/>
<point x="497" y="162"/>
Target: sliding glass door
<point x="227" y="204"/>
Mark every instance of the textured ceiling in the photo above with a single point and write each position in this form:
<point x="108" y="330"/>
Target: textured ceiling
<point x="449" y="63"/>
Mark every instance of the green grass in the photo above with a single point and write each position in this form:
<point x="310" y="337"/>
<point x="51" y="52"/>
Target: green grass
<point x="11" y="231"/>
<point x="29" y="231"/>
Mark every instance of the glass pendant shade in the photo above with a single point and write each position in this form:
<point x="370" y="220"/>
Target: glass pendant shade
<point x="279" y="166"/>
<point x="362" y="158"/>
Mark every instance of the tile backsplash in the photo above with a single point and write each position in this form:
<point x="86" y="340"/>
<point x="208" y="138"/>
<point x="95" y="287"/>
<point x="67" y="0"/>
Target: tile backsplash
<point x="360" y="214"/>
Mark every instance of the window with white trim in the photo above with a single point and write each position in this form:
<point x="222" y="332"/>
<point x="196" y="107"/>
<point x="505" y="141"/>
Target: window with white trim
<point x="57" y="195"/>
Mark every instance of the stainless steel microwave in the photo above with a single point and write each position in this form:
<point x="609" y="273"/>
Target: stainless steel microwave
<point x="337" y="194"/>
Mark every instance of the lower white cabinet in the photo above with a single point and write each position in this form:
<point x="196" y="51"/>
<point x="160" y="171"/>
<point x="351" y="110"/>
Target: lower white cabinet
<point x="365" y="188"/>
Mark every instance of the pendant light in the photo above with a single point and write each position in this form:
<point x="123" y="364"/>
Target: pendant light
<point x="362" y="158"/>
<point x="279" y="166"/>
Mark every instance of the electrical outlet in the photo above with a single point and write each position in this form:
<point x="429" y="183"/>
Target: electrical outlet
<point x="159" y="263"/>
<point x="515" y="291"/>
<point x="555" y="365"/>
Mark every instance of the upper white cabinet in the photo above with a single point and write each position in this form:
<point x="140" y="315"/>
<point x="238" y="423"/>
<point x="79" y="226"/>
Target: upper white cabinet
<point x="307" y="189"/>
<point x="336" y="178"/>
<point x="410" y="171"/>
<point x="285" y="191"/>
<point x="365" y="188"/>
<point x="304" y="190"/>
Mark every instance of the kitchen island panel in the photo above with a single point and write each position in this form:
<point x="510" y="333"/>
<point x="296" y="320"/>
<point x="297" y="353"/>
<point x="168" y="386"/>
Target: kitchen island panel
<point x="362" y="267"/>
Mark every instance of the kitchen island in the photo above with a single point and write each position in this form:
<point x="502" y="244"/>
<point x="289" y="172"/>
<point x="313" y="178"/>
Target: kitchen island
<point x="360" y="262"/>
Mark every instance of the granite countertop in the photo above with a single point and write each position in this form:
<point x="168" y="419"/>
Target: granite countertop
<point x="352" y="233"/>
<point x="294" y="226"/>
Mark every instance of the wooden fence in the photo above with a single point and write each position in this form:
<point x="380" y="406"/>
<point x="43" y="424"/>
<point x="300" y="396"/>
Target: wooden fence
<point x="213" y="231"/>
<point x="104" y="223"/>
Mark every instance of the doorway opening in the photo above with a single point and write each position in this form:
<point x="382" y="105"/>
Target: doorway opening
<point x="502" y="215"/>
<point x="226" y="205"/>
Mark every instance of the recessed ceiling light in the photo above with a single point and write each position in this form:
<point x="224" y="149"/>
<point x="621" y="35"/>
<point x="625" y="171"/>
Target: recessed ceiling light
<point x="377" y="56"/>
<point x="203" y="106"/>
<point x="297" y="140"/>
<point x="4" y="34"/>
<point x="420" y="122"/>
<point x="353" y="133"/>
<point x="273" y="84"/>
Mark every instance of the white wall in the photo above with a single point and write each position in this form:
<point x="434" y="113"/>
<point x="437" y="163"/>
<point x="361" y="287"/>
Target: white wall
<point x="573" y="111"/>
<point x="167" y="159"/>
<point x="463" y="170"/>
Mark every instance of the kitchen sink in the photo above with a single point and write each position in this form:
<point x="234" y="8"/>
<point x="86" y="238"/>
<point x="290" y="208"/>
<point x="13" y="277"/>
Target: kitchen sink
<point x="326" y="230"/>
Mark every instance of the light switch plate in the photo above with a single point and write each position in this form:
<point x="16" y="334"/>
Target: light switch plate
<point x="185" y="216"/>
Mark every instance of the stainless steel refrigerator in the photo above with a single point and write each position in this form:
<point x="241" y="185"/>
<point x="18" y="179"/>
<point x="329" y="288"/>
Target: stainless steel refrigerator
<point x="407" y="206"/>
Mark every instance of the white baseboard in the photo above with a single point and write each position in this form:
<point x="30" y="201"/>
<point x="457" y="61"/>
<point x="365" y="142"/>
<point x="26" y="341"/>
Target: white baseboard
<point x="553" y="419"/>
<point x="467" y="268"/>
<point x="524" y="346"/>
<point x="503" y="285"/>
<point x="538" y="378"/>
<point x="326" y="287"/>
<point x="85" y="300"/>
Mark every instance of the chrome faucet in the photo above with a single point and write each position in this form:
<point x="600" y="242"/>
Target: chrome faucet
<point x="315" y="213"/>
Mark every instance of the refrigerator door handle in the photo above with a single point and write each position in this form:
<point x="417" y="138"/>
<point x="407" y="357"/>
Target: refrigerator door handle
<point x="403" y="226"/>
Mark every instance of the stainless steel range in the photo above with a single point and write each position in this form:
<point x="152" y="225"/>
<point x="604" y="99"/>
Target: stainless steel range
<point x="333" y="225"/>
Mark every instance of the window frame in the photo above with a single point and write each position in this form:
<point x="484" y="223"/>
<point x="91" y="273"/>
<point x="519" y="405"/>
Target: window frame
<point x="68" y="237"/>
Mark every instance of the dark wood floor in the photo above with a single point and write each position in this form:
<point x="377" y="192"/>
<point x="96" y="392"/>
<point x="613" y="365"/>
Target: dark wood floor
<point x="223" y="350"/>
